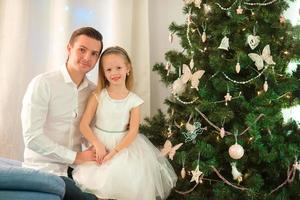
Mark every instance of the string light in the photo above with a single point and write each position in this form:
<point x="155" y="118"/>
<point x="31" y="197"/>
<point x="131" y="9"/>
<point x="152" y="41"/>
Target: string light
<point x="207" y="8"/>
<point x="189" y="21"/>
<point x="259" y="92"/>
<point x="186" y="102"/>
<point x="244" y="82"/>
<point x="260" y="4"/>
<point x="286" y="52"/>
<point x="228" y="8"/>
<point x="246" y="3"/>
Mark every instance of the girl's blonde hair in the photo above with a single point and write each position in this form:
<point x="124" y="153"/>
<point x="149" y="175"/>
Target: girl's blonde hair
<point x="102" y="81"/>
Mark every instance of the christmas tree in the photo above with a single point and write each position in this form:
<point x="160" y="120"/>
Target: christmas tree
<point x="224" y="131"/>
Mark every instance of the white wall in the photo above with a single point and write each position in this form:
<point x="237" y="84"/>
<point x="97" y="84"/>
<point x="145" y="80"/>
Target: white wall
<point x="161" y="14"/>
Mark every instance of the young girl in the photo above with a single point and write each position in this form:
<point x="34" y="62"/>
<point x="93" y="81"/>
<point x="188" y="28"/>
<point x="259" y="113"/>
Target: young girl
<point x="128" y="166"/>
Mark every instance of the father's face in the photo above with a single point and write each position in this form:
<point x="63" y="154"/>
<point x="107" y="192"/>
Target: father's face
<point x="83" y="54"/>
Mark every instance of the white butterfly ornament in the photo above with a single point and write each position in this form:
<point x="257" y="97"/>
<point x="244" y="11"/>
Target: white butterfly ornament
<point x="265" y="56"/>
<point x="169" y="149"/>
<point x="188" y="76"/>
<point x="196" y="2"/>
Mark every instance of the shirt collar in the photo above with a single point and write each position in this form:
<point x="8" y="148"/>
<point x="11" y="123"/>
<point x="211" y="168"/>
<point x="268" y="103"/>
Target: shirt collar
<point x="83" y="84"/>
<point x="68" y="79"/>
<point x="66" y="74"/>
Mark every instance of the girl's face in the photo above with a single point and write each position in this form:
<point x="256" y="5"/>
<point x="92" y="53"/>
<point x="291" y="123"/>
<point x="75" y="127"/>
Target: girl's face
<point x="115" y="69"/>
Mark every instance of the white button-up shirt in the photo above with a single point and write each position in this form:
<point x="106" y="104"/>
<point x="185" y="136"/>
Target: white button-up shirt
<point x="52" y="108"/>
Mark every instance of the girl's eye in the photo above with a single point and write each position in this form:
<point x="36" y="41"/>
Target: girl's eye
<point x="119" y="67"/>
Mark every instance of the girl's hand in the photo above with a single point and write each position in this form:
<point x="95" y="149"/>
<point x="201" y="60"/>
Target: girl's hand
<point x="109" y="156"/>
<point x="100" y="152"/>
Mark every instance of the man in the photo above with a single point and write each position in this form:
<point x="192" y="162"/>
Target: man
<point x="52" y="108"/>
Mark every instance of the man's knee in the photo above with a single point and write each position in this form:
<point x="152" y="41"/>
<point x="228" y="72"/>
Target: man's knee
<point x="73" y="192"/>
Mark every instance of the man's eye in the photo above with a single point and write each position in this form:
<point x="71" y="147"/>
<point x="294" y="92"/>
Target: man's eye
<point x="95" y="54"/>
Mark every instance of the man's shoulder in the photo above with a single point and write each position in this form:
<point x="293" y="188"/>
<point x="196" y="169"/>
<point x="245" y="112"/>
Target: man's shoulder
<point x="46" y="77"/>
<point x="91" y="85"/>
<point x="49" y="75"/>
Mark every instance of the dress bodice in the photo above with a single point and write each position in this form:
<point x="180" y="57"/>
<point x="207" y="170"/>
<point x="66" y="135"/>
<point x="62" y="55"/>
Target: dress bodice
<point x="113" y="114"/>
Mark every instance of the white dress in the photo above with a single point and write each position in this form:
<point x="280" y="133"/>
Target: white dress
<point x="138" y="172"/>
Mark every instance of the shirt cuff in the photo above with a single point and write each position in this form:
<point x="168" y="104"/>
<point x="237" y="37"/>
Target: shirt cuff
<point x="70" y="156"/>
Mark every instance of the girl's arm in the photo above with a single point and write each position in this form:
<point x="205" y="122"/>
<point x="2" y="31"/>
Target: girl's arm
<point x="130" y="136"/>
<point x="86" y="130"/>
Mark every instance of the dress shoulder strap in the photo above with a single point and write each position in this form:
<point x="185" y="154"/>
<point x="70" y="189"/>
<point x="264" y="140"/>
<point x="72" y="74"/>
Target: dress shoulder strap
<point x="99" y="95"/>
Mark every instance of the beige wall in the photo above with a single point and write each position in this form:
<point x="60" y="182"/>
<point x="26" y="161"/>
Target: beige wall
<point x="161" y="14"/>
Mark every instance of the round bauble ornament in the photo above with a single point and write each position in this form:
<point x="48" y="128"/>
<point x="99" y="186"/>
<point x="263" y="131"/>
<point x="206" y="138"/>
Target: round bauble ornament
<point x="236" y="151"/>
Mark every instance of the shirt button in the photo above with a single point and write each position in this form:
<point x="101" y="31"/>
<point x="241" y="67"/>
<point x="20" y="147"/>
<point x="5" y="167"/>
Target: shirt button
<point x="74" y="114"/>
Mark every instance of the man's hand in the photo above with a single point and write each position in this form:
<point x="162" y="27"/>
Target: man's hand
<point x="84" y="156"/>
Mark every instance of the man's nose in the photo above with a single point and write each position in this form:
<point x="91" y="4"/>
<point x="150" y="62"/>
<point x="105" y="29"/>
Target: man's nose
<point x="87" y="56"/>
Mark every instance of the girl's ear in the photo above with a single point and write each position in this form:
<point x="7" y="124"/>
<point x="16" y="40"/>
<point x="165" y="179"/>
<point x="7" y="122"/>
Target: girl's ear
<point x="128" y="68"/>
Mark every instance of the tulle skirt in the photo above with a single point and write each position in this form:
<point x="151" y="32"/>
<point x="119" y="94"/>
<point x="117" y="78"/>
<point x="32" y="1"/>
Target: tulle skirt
<point x="138" y="172"/>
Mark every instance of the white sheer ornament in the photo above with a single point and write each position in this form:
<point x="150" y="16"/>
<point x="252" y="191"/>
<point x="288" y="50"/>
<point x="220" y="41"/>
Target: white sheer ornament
<point x="266" y="86"/>
<point x="183" y="173"/>
<point x="192" y="63"/>
<point x="222" y="132"/>
<point x="236" y="151"/>
<point x="196" y="175"/>
<point x="193" y="131"/>
<point x="203" y="37"/>
<point x="204" y="27"/>
<point x="206" y="8"/>
<point x="253" y="41"/>
<point x="168" y="68"/>
<point x="171" y="37"/>
<point x="189" y="76"/>
<point x="190" y="127"/>
<point x="227" y="98"/>
<point x="169" y="149"/>
<point x="197" y="3"/>
<point x="235" y="173"/>
<point x="224" y="43"/>
<point x="178" y="87"/>
<point x="296" y="165"/>
<point x="282" y="19"/>
<point x="169" y="133"/>
<point x="265" y="56"/>
<point x="238" y="67"/>
<point x="239" y="10"/>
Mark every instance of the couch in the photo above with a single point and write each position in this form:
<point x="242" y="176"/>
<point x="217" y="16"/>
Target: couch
<point x="18" y="183"/>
